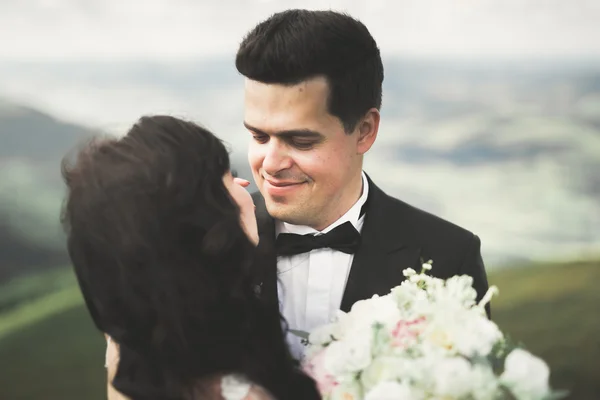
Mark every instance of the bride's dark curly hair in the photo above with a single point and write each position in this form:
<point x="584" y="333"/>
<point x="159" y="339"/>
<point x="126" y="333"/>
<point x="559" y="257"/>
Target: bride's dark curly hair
<point x="166" y="268"/>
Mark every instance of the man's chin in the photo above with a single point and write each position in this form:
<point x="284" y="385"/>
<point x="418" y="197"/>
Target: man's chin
<point x="282" y="211"/>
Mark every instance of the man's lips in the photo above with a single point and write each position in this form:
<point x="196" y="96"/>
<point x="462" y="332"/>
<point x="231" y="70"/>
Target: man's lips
<point x="281" y="183"/>
<point x="281" y="188"/>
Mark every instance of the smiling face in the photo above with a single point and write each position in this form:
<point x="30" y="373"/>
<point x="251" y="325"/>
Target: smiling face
<point x="304" y="163"/>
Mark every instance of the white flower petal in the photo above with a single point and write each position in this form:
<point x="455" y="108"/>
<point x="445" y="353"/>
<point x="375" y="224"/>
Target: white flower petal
<point x="526" y="375"/>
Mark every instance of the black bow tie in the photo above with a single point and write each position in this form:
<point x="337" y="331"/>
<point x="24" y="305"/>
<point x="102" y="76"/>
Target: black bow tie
<point x="344" y="238"/>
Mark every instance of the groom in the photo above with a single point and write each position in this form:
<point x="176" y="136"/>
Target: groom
<point x="312" y="100"/>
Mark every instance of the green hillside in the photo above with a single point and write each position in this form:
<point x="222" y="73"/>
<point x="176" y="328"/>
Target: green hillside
<point x="552" y="310"/>
<point x="50" y="350"/>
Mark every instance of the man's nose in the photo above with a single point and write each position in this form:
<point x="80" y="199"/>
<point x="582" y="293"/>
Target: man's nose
<point x="277" y="158"/>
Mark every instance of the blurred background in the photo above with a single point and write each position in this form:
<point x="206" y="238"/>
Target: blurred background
<point x="491" y="119"/>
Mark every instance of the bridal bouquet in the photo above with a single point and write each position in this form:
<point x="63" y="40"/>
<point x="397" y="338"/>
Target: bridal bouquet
<point x="427" y="339"/>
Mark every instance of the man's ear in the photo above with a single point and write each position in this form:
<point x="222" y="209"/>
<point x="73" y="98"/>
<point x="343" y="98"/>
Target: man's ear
<point x="367" y="130"/>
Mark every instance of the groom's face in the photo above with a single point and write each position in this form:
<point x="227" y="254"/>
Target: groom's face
<point x="305" y="165"/>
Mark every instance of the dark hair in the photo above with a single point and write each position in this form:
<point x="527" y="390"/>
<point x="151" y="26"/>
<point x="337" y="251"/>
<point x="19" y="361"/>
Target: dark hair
<point x="295" y="45"/>
<point x="164" y="265"/>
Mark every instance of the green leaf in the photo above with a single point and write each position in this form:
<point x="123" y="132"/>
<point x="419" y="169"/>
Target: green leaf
<point x="300" y="334"/>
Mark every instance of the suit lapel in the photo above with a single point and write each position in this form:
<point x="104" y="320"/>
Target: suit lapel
<point x="384" y="253"/>
<point x="266" y="256"/>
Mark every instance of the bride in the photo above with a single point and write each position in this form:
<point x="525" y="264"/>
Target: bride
<point x="163" y="238"/>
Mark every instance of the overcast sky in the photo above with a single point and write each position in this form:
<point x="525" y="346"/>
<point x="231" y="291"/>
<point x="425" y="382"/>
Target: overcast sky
<point x="191" y="29"/>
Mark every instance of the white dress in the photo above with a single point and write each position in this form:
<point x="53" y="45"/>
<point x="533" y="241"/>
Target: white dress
<point x="233" y="387"/>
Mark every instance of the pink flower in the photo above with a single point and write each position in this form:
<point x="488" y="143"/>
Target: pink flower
<point x="406" y="333"/>
<point x="315" y="367"/>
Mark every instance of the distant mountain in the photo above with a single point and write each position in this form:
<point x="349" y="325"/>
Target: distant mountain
<point x="32" y="145"/>
<point x="26" y="133"/>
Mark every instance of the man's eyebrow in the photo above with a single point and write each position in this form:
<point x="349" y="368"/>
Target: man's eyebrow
<point x="287" y="133"/>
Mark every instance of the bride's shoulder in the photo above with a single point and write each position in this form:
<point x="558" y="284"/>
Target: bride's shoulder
<point x="236" y="387"/>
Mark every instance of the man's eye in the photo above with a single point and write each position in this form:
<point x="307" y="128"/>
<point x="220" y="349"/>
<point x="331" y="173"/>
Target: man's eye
<point x="303" y="145"/>
<point x="261" y="138"/>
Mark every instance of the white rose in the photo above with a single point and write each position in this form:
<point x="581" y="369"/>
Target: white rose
<point x="526" y="376"/>
<point x="484" y="382"/>
<point x="392" y="391"/>
<point x="462" y="331"/>
<point x="378" y="309"/>
<point x="350" y="354"/>
<point x="385" y="368"/>
<point x="477" y="335"/>
<point x="457" y="378"/>
<point x="452" y="377"/>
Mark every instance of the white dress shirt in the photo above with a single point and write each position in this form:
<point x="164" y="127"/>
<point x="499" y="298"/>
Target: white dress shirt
<point x="311" y="285"/>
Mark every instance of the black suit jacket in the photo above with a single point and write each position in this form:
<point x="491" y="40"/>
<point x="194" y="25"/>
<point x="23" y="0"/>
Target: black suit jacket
<point x="395" y="236"/>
